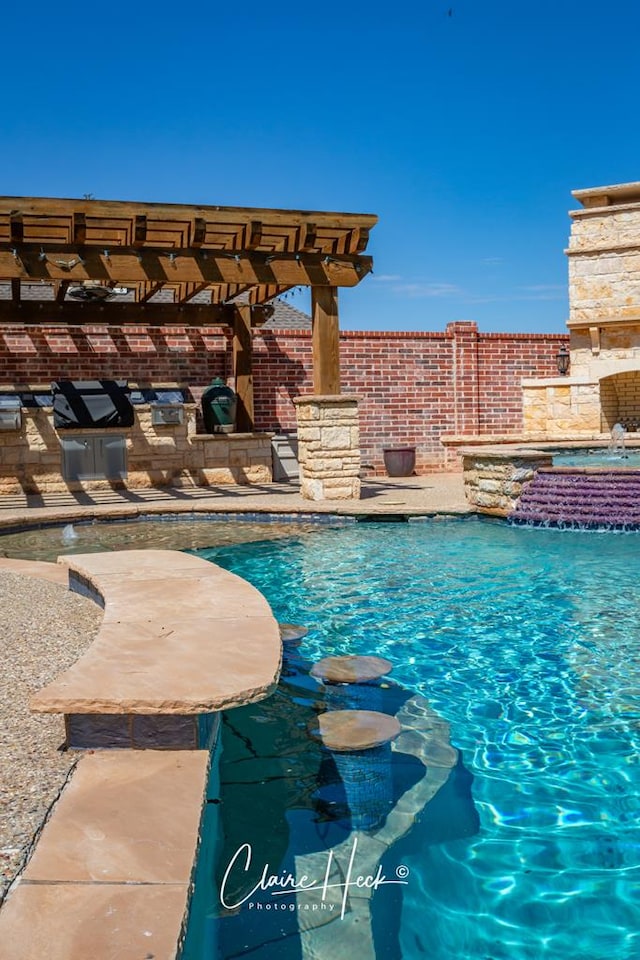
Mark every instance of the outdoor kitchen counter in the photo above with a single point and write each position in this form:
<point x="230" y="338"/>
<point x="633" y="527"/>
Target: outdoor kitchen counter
<point x="180" y="636"/>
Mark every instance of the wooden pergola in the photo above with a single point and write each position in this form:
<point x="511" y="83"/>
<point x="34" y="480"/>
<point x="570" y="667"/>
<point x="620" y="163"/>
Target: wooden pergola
<point x="117" y="263"/>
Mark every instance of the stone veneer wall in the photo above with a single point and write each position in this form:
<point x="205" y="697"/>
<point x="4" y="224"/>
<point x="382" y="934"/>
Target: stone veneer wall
<point x="603" y="385"/>
<point x="329" y="447"/>
<point x="604" y="264"/>
<point x="31" y="458"/>
<point x="558" y="408"/>
<point x="494" y="479"/>
<point x="413" y="387"/>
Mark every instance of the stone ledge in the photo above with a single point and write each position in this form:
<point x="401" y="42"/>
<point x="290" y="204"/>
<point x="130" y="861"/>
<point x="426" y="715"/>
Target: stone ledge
<point x="333" y="399"/>
<point x="180" y="636"/>
<point x="111" y="873"/>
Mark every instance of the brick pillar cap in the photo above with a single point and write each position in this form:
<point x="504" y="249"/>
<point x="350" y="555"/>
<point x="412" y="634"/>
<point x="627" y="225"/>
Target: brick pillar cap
<point x="460" y="325"/>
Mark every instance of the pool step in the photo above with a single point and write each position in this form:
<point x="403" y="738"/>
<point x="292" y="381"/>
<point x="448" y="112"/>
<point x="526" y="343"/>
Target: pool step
<point x="581" y="497"/>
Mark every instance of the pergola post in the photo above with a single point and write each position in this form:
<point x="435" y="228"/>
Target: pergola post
<point x="243" y="367"/>
<point x="328" y="426"/>
<point x="326" y="340"/>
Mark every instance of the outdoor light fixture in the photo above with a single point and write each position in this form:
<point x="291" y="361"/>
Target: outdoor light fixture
<point x="563" y="359"/>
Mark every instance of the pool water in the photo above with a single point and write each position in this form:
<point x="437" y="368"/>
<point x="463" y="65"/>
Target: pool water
<point x="171" y="532"/>
<point x="525" y="642"/>
<point x="597" y="457"/>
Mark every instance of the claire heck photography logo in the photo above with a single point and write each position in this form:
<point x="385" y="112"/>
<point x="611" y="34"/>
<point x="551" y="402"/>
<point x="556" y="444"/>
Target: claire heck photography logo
<point x="328" y="889"/>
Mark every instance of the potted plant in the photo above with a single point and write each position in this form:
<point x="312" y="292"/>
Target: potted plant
<point x="399" y="461"/>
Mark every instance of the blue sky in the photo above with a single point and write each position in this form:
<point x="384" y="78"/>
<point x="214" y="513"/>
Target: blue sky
<point x="464" y="131"/>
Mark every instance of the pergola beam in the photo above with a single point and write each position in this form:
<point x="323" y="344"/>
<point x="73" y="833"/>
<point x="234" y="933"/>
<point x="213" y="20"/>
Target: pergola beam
<point x="222" y="253"/>
<point x="120" y="314"/>
<point x="192" y="265"/>
<point x="120" y="210"/>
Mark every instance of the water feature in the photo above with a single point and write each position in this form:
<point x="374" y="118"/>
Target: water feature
<point x="616" y="446"/>
<point x="69" y="534"/>
<point x="524" y="642"/>
<point x="575" y="497"/>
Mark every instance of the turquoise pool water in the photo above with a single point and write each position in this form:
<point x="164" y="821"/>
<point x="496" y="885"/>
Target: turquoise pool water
<point x="597" y="457"/>
<point x="526" y="643"/>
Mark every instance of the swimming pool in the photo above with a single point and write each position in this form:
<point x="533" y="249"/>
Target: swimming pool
<point x="525" y="642"/>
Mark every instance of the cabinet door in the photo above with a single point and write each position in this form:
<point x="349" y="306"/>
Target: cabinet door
<point x="94" y="458"/>
<point x="78" y="462"/>
<point x="111" y="453"/>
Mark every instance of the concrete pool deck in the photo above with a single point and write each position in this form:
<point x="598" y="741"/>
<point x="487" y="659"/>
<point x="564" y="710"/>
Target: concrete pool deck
<point x="432" y="494"/>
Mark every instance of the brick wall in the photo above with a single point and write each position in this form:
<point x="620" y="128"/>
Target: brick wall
<point x="413" y="386"/>
<point x="145" y="354"/>
<point x="504" y="359"/>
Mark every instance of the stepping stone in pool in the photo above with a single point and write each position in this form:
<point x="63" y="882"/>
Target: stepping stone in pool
<point x="346" y="731"/>
<point x="351" y="669"/>
<point x="353" y="682"/>
<point x="292" y="632"/>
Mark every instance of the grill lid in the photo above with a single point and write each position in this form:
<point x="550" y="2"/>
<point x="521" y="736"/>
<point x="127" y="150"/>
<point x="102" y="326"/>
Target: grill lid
<point x="79" y="404"/>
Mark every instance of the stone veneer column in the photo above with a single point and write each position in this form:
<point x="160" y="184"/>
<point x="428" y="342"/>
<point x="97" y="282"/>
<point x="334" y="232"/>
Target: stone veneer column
<point x="329" y="447"/>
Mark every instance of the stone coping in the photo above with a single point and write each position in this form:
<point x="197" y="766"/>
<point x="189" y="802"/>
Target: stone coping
<point x="111" y="874"/>
<point x="536" y="450"/>
<point x="505" y="453"/>
<point x="208" y="437"/>
<point x="180" y="635"/>
<point x="535" y="441"/>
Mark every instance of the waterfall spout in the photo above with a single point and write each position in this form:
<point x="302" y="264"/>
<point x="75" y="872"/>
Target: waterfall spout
<point x="616" y="444"/>
<point x="69" y="534"/>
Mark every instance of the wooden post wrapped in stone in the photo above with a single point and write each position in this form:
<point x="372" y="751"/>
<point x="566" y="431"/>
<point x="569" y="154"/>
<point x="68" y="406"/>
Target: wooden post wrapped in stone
<point x="329" y="447"/>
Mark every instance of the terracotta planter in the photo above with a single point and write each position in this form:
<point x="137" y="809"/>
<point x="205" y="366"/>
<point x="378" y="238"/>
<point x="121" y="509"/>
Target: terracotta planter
<point x="399" y="461"/>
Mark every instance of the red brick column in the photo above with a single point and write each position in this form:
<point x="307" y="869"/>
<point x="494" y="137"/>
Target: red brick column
<point x="465" y="376"/>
